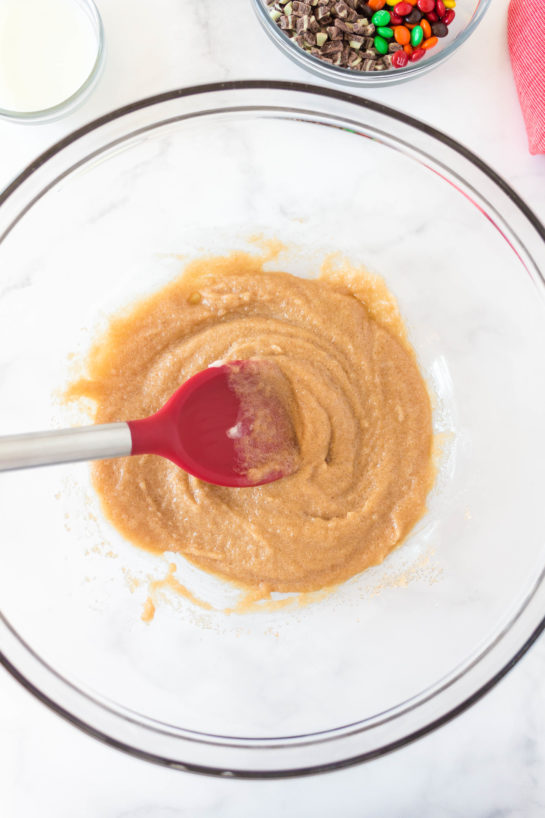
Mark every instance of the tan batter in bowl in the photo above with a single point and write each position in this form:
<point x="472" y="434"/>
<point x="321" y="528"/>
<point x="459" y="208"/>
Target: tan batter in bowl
<point x="360" y="410"/>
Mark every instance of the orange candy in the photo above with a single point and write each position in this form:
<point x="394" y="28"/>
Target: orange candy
<point x="408" y="49"/>
<point x="402" y="35"/>
<point x="430" y="43"/>
<point x="412" y="2"/>
<point x="426" y="28"/>
<point x="377" y="5"/>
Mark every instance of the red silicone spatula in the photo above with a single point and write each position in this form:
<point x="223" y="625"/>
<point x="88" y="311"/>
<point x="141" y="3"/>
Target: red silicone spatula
<point x="199" y="429"/>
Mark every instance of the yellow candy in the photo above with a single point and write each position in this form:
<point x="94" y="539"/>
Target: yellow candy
<point x="393" y="2"/>
<point x="449" y="4"/>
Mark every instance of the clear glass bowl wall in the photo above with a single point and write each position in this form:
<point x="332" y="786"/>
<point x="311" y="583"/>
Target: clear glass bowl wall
<point x="109" y="215"/>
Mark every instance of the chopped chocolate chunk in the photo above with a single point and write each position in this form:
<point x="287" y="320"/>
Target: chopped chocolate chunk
<point x="332" y="47"/>
<point x="393" y="47"/>
<point x="360" y="25"/>
<point x="334" y="33"/>
<point x="323" y="14"/>
<point x="366" y="10"/>
<point x="301" y="24"/>
<point x="341" y="10"/>
<point x="355" y="42"/>
<point x="301" y="8"/>
<point x="354" y="59"/>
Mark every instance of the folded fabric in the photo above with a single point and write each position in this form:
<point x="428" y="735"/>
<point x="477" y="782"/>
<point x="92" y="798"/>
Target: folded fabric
<point x="526" y="38"/>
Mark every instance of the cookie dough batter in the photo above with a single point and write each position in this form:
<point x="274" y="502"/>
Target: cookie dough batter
<point x="361" y="414"/>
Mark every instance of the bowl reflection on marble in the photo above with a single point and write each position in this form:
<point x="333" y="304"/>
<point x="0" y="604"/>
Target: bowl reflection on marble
<point x="110" y="214"/>
<point x="469" y="14"/>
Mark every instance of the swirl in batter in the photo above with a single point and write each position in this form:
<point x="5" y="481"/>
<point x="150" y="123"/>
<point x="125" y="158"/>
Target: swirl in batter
<point x="360" y="411"/>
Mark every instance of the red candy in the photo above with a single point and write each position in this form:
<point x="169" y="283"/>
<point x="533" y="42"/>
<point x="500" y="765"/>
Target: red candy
<point x="402" y="9"/>
<point x="395" y="19"/>
<point x="440" y="8"/>
<point x="432" y="17"/>
<point x="448" y="17"/>
<point x="400" y="59"/>
<point x="417" y="54"/>
<point x="426" y="5"/>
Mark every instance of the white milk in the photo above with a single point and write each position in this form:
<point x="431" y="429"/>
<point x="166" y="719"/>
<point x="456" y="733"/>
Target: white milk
<point x="47" y="51"/>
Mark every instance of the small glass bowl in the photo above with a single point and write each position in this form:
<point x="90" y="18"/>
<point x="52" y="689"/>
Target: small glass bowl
<point x="81" y="93"/>
<point x="468" y="16"/>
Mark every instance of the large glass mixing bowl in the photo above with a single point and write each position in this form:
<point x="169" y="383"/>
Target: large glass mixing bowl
<point x="111" y="213"/>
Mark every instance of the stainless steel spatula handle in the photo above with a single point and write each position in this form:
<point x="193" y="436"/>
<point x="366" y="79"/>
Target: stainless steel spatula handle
<point x="65" y="446"/>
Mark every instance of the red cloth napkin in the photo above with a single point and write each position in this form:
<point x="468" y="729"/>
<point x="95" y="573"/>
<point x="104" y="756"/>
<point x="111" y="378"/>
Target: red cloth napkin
<point x="526" y="38"/>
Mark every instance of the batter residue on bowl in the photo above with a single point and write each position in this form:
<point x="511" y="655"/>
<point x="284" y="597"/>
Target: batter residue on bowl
<point x="361" y="414"/>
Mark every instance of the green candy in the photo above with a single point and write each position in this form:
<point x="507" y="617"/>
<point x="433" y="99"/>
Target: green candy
<point x="417" y="35"/>
<point x="381" y="45"/>
<point x="380" y="18"/>
<point x="385" y="32"/>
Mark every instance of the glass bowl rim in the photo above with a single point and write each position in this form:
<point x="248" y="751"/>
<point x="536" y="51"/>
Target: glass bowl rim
<point x="276" y="85"/>
<point x="77" y="96"/>
<point x="347" y="76"/>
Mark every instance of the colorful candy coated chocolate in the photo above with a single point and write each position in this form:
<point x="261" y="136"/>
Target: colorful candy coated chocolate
<point x="426" y="5"/>
<point x="417" y="54"/>
<point x="386" y="32"/>
<point x="408" y="49"/>
<point x="439" y="8"/>
<point x="402" y="35"/>
<point x="449" y="4"/>
<point x="448" y="17"/>
<point x="391" y="2"/>
<point x="426" y="28"/>
<point x="414" y="17"/>
<point x="395" y="19"/>
<point x="376" y="5"/>
<point x="380" y="18"/>
<point x="400" y="59"/>
<point x="432" y="16"/>
<point x="439" y="29"/>
<point x="381" y="45"/>
<point x="417" y="35"/>
<point x="403" y="9"/>
<point x="431" y="43"/>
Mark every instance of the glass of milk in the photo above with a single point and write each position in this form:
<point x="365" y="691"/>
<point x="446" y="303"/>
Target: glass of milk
<point x="51" y="53"/>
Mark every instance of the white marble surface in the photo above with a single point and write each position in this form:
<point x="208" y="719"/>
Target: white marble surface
<point x="490" y="762"/>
